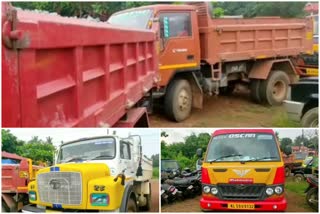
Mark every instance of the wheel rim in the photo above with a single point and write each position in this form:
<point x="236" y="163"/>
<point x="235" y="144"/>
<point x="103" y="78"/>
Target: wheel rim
<point x="279" y="90"/>
<point x="184" y="100"/>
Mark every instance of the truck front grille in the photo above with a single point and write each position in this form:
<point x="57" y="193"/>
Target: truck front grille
<point x="60" y="188"/>
<point x="241" y="192"/>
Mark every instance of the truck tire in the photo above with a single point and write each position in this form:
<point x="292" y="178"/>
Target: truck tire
<point x="131" y="206"/>
<point x="148" y="198"/>
<point x="178" y="100"/>
<point x="298" y="178"/>
<point x="274" y="89"/>
<point x="255" y="90"/>
<point x="310" y="118"/>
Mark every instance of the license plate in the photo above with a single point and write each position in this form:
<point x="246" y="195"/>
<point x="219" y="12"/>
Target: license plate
<point x="241" y="206"/>
<point x="174" y="192"/>
<point x="190" y="187"/>
<point x="162" y="191"/>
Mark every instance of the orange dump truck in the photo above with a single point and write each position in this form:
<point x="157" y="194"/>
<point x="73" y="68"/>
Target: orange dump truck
<point x="243" y="170"/>
<point x="16" y="171"/>
<point x="199" y="54"/>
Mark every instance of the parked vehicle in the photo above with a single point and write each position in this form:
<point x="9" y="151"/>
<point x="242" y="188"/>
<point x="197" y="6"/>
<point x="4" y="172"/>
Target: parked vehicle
<point x="312" y="193"/>
<point x="302" y="103"/>
<point x="169" y="194"/>
<point x="93" y="75"/>
<point x="309" y="169"/>
<point x="101" y="173"/>
<point x="17" y="172"/>
<point x="243" y="170"/>
<point x="307" y="64"/>
<point x="169" y="166"/>
<point x="201" y="55"/>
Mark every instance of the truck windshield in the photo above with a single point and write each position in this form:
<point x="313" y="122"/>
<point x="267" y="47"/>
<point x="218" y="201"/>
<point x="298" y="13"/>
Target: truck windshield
<point x="133" y="19"/>
<point x="93" y="149"/>
<point x="243" y="147"/>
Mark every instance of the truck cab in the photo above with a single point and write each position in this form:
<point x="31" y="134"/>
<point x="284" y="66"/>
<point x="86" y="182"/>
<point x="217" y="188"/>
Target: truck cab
<point x="243" y="170"/>
<point x="105" y="173"/>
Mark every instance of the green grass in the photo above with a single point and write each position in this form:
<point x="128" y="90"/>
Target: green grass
<point x="155" y="172"/>
<point x="283" y="121"/>
<point x="295" y="187"/>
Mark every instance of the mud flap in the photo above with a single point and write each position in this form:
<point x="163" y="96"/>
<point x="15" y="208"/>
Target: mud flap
<point x="197" y="93"/>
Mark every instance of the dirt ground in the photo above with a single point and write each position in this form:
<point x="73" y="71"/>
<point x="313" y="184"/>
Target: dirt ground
<point x="155" y="195"/>
<point x="236" y="110"/>
<point x="296" y="203"/>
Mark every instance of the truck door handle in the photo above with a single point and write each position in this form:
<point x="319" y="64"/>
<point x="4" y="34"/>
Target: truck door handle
<point x="190" y="57"/>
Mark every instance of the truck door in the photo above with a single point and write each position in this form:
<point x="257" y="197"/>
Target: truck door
<point x="126" y="159"/>
<point x="179" y="42"/>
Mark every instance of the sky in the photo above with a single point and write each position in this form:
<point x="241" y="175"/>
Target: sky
<point x="178" y="134"/>
<point x="149" y="137"/>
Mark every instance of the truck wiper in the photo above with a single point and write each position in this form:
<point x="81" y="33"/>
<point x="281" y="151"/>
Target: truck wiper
<point x="225" y="156"/>
<point x="80" y="158"/>
<point x="263" y="158"/>
<point x="101" y="157"/>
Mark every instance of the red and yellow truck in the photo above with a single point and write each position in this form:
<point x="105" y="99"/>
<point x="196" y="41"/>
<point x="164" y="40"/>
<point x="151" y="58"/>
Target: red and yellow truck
<point x="243" y="170"/>
<point x="16" y="172"/>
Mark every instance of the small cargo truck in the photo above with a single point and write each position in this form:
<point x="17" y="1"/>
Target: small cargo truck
<point x="105" y="173"/>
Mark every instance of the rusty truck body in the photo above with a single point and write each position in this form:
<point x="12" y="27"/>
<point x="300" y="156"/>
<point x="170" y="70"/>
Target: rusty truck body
<point x="199" y="54"/>
<point x="67" y="72"/>
<point x="17" y="172"/>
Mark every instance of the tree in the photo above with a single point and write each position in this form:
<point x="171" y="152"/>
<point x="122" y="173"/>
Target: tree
<point x="155" y="159"/>
<point x="285" y="142"/>
<point x="10" y="143"/>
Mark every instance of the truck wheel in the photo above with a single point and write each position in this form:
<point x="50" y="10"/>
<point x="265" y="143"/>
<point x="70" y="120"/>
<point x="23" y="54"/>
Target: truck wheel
<point x="255" y="90"/>
<point x="178" y="100"/>
<point x="310" y="118"/>
<point x="274" y="89"/>
<point x="131" y="206"/>
<point x="298" y="178"/>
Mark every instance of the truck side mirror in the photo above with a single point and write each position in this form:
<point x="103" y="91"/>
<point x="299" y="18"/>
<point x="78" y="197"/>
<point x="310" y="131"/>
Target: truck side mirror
<point x="199" y="153"/>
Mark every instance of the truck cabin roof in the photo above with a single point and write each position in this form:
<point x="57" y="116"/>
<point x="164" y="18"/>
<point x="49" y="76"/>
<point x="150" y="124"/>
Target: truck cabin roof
<point x="236" y="131"/>
<point x="157" y="7"/>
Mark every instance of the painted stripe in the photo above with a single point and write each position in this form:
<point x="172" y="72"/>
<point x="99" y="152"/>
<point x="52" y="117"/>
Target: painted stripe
<point x="22" y="188"/>
<point x="312" y="71"/>
<point x="186" y="65"/>
<point x="309" y="36"/>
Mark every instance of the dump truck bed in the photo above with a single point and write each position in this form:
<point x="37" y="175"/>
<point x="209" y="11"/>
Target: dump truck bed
<point x="236" y="39"/>
<point x="59" y="71"/>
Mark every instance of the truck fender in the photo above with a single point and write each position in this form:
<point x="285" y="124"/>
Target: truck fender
<point x="311" y="103"/>
<point x="125" y="198"/>
<point x="197" y="93"/>
<point x="262" y="68"/>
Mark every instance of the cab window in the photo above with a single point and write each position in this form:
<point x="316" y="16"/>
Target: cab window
<point x="175" y="25"/>
<point x="125" y="151"/>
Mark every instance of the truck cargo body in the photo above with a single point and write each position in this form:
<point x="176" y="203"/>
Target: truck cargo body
<point x="68" y="72"/>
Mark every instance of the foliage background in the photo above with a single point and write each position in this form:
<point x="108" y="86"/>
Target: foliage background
<point x="103" y="10"/>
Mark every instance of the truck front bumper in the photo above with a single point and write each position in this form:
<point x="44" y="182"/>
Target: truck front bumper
<point x="31" y="208"/>
<point x="210" y="205"/>
<point x="294" y="109"/>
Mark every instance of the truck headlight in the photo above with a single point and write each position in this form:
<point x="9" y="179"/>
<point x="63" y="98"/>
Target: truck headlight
<point x="32" y="196"/>
<point x="278" y="190"/>
<point x="214" y="190"/>
<point x="206" y="189"/>
<point x="269" y="191"/>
